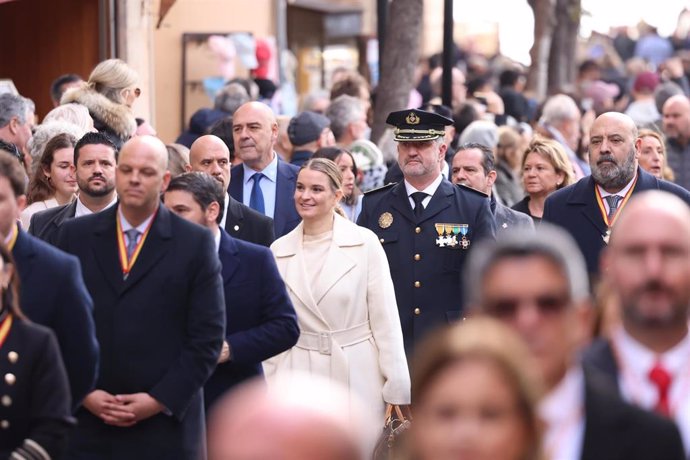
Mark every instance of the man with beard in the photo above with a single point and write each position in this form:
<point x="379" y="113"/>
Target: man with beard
<point x="647" y="265"/>
<point x="426" y="226"/>
<point x="676" y="127"/>
<point x="95" y="160"/>
<point x="209" y="154"/>
<point x="590" y="207"/>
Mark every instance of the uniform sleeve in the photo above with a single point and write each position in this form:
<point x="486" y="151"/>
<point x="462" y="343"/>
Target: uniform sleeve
<point x="363" y="219"/>
<point x="385" y="325"/>
<point x="204" y="332"/>
<point x="49" y="409"/>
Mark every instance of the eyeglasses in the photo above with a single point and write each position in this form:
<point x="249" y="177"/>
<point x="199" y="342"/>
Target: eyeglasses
<point x="547" y="304"/>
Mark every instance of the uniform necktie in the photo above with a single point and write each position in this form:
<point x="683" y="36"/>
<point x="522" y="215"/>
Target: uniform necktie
<point x="662" y="380"/>
<point x="613" y="201"/>
<point x="418" y="197"/>
<point x="256" y="199"/>
<point x="132" y="235"/>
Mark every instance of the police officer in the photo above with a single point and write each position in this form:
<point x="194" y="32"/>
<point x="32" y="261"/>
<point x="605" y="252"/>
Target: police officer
<point x="426" y="225"/>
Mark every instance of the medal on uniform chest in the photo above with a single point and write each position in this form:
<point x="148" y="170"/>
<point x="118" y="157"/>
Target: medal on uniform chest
<point x="464" y="242"/>
<point x="448" y="235"/>
<point x="385" y="220"/>
<point x="610" y="221"/>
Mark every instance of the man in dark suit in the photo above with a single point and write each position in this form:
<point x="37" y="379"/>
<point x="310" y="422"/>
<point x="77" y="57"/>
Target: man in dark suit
<point x="473" y="166"/>
<point x="159" y="313"/>
<point x="261" y="321"/>
<point x="426" y="226"/>
<point x="95" y="160"/>
<point x="536" y="282"/>
<point x="52" y="291"/>
<point x="585" y="207"/>
<point x="647" y="266"/>
<point x="209" y="154"/>
<point x="263" y="181"/>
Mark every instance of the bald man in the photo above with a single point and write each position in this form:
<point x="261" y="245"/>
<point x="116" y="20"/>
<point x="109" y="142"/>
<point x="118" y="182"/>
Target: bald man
<point x="647" y="265"/>
<point x="589" y="208"/>
<point x="305" y="417"/>
<point x="159" y="312"/>
<point x="676" y="127"/>
<point x="263" y="181"/>
<point x="209" y="154"/>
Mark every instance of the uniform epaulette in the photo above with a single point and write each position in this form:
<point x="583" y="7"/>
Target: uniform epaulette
<point x="383" y="187"/>
<point x="470" y="189"/>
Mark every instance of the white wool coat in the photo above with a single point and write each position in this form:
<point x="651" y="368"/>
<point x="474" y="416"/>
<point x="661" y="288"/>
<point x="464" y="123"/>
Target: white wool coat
<point x="352" y="333"/>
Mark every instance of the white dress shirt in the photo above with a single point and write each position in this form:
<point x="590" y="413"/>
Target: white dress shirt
<point x="429" y="190"/>
<point x="603" y="193"/>
<point x="82" y="210"/>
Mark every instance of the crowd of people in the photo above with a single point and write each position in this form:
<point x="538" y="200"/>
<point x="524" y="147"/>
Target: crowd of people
<point x="513" y="274"/>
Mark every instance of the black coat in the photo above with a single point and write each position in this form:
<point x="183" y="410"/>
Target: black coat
<point x="52" y="293"/>
<point x="36" y="403"/>
<point x="246" y="224"/>
<point x="575" y="209"/>
<point x="427" y="278"/>
<point x="261" y="321"/>
<point x="46" y="224"/>
<point x="160" y="331"/>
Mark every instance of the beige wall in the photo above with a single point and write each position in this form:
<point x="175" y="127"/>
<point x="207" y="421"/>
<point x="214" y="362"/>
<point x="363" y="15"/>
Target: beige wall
<point x="256" y="16"/>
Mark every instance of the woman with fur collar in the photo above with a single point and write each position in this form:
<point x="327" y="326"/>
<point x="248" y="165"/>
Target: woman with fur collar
<point x="109" y="94"/>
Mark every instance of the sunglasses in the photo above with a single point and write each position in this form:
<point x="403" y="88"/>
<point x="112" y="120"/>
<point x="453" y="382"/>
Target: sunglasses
<point x="546" y="304"/>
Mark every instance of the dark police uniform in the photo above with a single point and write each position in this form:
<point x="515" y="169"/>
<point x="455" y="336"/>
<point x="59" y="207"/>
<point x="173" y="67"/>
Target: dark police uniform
<point x="426" y="254"/>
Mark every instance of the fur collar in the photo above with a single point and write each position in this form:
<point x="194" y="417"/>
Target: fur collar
<point x="118" y="117"/>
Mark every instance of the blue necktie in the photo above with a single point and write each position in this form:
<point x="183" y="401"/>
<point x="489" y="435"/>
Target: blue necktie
<point x="256" y="200"/>
<point x="132" y="235"/>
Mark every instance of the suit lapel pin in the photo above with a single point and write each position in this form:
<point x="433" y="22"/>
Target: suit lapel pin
<point x="504" y="225"/>
<point x="385" y="220"/>
<point x="236" y="227"/>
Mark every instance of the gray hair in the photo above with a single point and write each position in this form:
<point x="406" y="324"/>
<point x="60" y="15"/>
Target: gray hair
<point x="549" y="242"/>
<point x="47" y="131"/>
<point x="230" y="98"/>
<point x="13" y="106"/>
<point x="75" y="114"/>
<point x="343" y="111"/>
<point x="559" y="108"/>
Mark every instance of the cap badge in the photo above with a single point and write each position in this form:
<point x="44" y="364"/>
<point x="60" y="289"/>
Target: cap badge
<point x="412" y="119"/>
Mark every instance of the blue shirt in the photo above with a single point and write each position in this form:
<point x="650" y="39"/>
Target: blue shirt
<point x="268" y="185"/>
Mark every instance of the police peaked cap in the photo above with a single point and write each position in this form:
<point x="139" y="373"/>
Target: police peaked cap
<point x="417" y="125"/>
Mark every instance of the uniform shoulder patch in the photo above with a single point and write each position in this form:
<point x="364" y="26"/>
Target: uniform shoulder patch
<point x="472" y="190"/>
<point x="383" y="187"/>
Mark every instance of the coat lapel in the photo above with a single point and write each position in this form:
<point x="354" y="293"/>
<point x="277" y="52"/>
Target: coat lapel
<point x="401" y="202"/>
<point x="234" y="218"/>
<point x="584" y="194"/>
<point x="285" y="186"/>
<point x="105" y="247"/>
<point x="154" y="248"/>
<point x="237" y="183"/>
<point x="228" y="256"/>
<point x="23" y="253"/>
<point x="439" y="201"/>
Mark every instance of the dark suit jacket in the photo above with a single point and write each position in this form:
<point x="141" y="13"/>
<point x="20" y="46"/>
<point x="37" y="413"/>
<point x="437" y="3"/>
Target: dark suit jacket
<point x="46" y="224"/>
<point x="261" y="321"/>
<point x="246" y="224"/>
<point x="428" y="288"/>
<point x="52" y="293"/>
<point x="160" y="332"/>
<point x="40" y="402"/>
<point x="615" y="430"/>
<point x="575" y="209"/>
<point x="508" y="219"/>
<point x="285" y="217"/>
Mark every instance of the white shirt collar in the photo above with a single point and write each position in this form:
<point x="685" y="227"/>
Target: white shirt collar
<point x="82" y="210"/>
<point x="429" y="190"/>
<point x="641" y="359"/>
<point x="216" y="238"/>
<point x="126" y="225"/>
<point x="622" y="192"/>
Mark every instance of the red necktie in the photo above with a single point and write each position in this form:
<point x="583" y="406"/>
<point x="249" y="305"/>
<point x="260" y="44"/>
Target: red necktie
<point x="662" y="379"/>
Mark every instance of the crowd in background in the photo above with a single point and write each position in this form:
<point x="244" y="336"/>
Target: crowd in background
<point x="558" y="230"/>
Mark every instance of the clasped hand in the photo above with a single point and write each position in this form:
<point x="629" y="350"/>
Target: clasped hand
<point x="121" y="410"/>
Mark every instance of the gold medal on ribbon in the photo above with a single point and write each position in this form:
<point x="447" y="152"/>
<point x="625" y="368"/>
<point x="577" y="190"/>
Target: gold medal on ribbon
<point x="604" y="215"/>
<point x="385" y="220"/>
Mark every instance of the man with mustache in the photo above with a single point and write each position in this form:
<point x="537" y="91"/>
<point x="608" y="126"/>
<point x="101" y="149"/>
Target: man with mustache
<point x="95" y="160"/>
<point x="647" y="265"/>
<point x="589" y="208"/>
<point x="209" y="154"/>
<point x="426" y="226"/>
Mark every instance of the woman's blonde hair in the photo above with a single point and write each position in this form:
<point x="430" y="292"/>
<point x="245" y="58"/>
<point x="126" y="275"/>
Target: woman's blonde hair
<point x="666" y="170"/>
<point x="488" y="340"/>
<point x="76" y="114"/>
<point x="554" y="153"/>
<point x="110" y="77"/>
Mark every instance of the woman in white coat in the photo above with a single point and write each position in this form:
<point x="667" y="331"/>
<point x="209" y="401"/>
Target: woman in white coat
<point x="338" y="279"/>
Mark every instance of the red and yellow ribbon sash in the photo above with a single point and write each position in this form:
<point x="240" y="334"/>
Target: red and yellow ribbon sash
<point x="13" y="238"/>
<point x="126" y="263"/>
<point x="602" y="208"/>
<point x="5" y="326"/>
